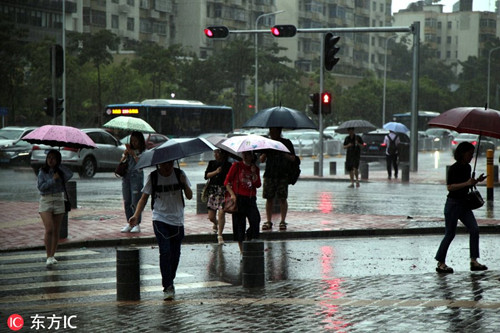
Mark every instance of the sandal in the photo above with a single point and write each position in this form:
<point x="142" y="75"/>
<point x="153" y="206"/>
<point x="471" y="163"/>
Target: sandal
<point x="282" y="225"/>
<point x="442" y="268"/>
<point x="475" y="266"/>
<point x="267" y="226"/>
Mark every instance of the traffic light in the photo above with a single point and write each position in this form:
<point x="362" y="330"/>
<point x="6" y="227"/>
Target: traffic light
<point x="315" y="105"/>
<point x="49" y="106"/>
<point x="59" y="106"/>
<point x="216" y="32"/>
<point x="330" y="51"/>
<point x="59" y="54"/>
<point x="286" y="30"/>
<point x="326" y="103"/>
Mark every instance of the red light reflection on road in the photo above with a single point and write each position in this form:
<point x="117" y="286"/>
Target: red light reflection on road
<point x="325" y="202"/>
<point x="333" y="321"/>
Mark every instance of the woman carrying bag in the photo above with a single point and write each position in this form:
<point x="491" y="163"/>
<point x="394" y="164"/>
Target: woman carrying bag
<point x="133" y="179"/>
<point x="242" y="183"/>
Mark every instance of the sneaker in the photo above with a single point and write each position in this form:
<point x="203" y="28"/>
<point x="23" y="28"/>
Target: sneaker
<point x="127" y="228"/>
<point x="169" y="294"/>
<point x="220" y="240"/>
<point x="50" y="261"/>
<point x="136" y="229"/>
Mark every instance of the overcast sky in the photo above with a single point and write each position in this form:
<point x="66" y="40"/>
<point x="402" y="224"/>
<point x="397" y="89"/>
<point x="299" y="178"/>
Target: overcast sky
<point x="477" y="5"/>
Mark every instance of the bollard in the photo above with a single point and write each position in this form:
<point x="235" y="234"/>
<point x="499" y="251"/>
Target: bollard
<point x="316" y="168"/>
<point x="253" y="264"/>
<point x="405" y="173"/>
<point x="333" y="168"/>
<point x="71" y="189"/>
<point x="128" y="274"/>
<point x="346" y="172"/>
<point x="495" y="173"/>
<point x="489" y="175"/>
<point x="63" y="230"/>
<point x="363" y="168"/>
<point x="201" y="207"/>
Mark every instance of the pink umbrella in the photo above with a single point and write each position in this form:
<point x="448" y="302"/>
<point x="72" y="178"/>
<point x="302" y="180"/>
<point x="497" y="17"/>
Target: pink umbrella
<point x="60" y="136"/>
<point x="252" y="142"/>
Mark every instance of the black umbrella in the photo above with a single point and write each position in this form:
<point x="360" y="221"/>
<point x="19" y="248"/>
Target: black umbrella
<point x="360" y="126"/>
<point x="280" y="116"/>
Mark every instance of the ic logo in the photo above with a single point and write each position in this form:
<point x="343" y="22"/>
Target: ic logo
<point x="15" y="322"/>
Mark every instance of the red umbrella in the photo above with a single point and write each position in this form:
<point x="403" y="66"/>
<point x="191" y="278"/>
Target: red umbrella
<point x="60" y="136"/>
<point x="475" y="120"/>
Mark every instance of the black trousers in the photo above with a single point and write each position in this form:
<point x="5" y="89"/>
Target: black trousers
<point x="392" y="162"/>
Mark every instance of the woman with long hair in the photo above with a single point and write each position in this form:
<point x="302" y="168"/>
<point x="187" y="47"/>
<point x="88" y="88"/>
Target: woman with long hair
<point x="51" y="184"/>
<point x="133" y="180"/>
<point x="459" y="181"/>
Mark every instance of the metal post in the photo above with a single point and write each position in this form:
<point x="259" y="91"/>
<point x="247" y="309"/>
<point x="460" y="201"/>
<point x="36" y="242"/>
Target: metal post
<point x="414" y="99"/>
<point x="53" y="76"/>
<point x="256" y="103"/>
<point x="253" y="264"/>
<point x="128" y="284"/>
<point x="488" y="86"/>
<point x="320" y="111"/>
<point x="385" y="77"/>
<point x="489" y="175"/>
<point x="64" y="62"/>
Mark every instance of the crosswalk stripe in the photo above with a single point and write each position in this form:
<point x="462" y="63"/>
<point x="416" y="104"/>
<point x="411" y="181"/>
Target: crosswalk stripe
<point x="7" y="257"/>
<point x="104" y="292"/>
<point x="61" y="262"/>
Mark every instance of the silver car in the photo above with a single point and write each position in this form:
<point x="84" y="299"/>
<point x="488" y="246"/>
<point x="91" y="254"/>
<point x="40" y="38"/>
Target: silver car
<point x="86" y="162"/>
<point x="13" y="150"/>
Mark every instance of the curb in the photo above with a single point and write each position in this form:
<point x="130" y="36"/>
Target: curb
<point x="268" y="236"/>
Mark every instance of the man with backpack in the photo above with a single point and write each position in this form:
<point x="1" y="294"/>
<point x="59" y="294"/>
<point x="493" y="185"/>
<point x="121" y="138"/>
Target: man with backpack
<point x="167" y="186"/>
<point x="391" y="142"/>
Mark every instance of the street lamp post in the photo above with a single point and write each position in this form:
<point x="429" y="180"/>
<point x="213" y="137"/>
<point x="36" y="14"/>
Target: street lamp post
<point x="488" y="88"/>
<point x="385" y="77"/>
<point x="256" y="104"/>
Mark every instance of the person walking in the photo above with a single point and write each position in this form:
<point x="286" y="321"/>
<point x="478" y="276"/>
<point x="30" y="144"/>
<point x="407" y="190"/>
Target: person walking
<point x="391" y="143"/>
<point x="458" y="182"/>
<point x="51" y="184"/>
<point x="242" y="182"/>
<point x="352" y="145"/>
<point x="216" y="172"/>
<point x="133" y="180"/>
<point x="166" y="185"/>
<point x="278" y="165"/>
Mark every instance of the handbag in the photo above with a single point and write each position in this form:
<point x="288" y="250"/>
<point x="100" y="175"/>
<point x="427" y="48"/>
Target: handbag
<point x="204" y="192"/>
<point x="121" y="169"/>
<point x="474" y="199"/>
<point x="230" y="205"/>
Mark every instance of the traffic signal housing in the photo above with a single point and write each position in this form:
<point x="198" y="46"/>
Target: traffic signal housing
<point x="286" y="30"/>
<point x="216" y="32"/>
<point x="315" y="105"/>
<point x="330" y="50"/>
<point x="59" y="106"/>
<point x="59" y="59"/>
<point x="326" y="103"/>
<point x="49" y="106"/>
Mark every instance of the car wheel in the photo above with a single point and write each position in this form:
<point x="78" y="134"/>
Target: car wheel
<point x="88" y="168"/>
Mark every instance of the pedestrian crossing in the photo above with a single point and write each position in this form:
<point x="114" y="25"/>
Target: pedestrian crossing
<point x="83" y="275"/>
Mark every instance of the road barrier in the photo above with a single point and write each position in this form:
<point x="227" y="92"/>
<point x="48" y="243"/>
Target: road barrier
<point x="364" y="168"/>
<point x="71" y="189"/>
<point x="405" y="172"/>
<point x="333" y="168"/>
<point x="201" y="207"/>
<point x="128" y="274"/>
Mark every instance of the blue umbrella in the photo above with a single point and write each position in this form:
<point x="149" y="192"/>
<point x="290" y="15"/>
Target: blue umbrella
<point x="396" y="127"/>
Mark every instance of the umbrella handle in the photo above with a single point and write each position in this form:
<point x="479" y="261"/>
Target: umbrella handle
<point x="477" y="153"/>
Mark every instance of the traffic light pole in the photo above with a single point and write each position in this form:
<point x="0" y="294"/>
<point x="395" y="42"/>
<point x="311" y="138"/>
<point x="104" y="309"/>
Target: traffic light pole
<point x="320" y="113"/>
<point x="53" y="76"/>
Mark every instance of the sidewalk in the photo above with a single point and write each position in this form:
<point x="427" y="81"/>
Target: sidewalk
<point x="88" y="226"/>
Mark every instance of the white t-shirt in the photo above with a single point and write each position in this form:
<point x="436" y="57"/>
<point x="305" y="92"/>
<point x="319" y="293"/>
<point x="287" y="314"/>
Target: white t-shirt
<point x="168" y="206"/>
<point x="387" y="141"/>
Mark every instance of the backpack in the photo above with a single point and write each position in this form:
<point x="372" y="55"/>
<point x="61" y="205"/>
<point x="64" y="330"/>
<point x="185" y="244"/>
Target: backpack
<point x="165" y="188"/>
<point x="392" y="149"/>
<point x="294" y="171"/>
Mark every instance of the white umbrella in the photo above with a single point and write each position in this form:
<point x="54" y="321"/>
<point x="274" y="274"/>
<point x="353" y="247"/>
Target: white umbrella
<point x="129" y="123"/>
<point x="252" y="142"/>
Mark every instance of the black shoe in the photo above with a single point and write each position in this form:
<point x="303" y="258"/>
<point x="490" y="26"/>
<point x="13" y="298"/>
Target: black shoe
<point x="444" y="269"/>
<point x="475" y="266"/>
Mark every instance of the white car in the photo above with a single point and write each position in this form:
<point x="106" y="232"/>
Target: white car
<point x="86" y="162"/>
<point x="13" y="150"/>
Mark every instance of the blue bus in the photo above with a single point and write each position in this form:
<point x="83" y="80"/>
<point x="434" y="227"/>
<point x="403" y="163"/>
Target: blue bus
<point x="177" y="118"/>
<point x="423" y="119"/>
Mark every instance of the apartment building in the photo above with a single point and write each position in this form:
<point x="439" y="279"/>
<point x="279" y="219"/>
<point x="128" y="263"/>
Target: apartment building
<point x="455" y="36"/>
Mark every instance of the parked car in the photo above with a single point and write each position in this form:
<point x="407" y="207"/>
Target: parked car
<point x="374" y="148"/>
<point x="86" y="162"/>
<point x="486" y="142"/>
<point x="152" y="139"/>
<point x="13" y="150"/>
<point x="441" y="137"/>
<point x="306" y="143"/>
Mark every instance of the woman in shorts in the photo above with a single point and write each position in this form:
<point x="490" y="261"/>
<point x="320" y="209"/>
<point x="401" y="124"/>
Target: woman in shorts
<point x="51" y="179"/>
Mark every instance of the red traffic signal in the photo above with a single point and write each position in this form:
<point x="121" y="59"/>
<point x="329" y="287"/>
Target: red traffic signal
<point x="286" y="30"/>
<point x="216" y="32"/>
<point x="330" y="50"/>
<point x="326" y="103"/>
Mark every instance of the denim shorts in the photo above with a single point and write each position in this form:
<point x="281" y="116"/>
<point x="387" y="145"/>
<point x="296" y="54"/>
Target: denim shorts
<point x="53" y="203"/>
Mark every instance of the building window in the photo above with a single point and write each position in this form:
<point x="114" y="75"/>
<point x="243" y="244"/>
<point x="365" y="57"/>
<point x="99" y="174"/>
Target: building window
<point x="114" y="22"/>
<point x="438" y="40"/>
<point x="115" y="1"/>
<point x="130" y="2"/>
<point x="439" y="25"/>
<point x="448" y="25"/>
<point x="448" y="54"/>
<point x="448" y="40"/>
<point x="130" y="24"/>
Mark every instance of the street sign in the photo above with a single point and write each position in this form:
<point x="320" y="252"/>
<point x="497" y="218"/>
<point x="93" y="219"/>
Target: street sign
<point x="3" y="110"/>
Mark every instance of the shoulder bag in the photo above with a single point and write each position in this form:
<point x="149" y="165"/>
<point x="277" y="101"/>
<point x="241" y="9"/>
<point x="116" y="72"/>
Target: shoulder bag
<point x="121" y="169"/>
<point x="474" y="199"/>
<point x="230" y="205"/>
<point x="204" y="192"/>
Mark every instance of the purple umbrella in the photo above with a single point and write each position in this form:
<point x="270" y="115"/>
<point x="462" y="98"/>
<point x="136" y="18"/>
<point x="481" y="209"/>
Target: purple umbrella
<point x="60" y="136"/>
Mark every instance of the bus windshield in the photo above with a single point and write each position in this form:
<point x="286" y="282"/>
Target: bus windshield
<point x="423" y="119"/>
<point x="178" y="118"/>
